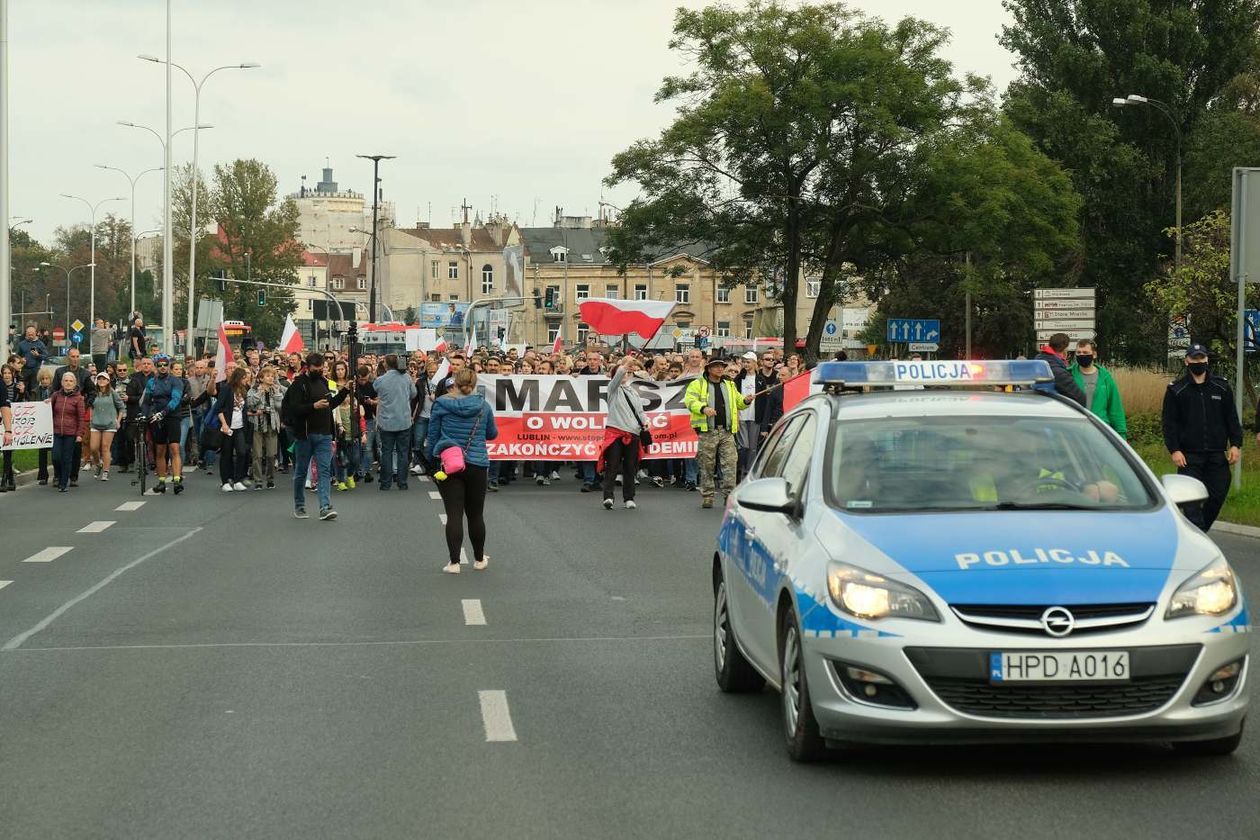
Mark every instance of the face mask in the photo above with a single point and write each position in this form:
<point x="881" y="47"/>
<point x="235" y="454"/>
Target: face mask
<point x="1085" y="359"/>
<point x="1198" y="368"/>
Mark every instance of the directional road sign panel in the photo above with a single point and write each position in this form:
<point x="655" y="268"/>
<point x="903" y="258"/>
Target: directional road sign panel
<point x="77" y="338"/>
<point x="913" y="329"/>
<point x="1251" y="330"/>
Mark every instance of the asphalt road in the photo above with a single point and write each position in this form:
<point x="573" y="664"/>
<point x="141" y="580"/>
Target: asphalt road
<point x="210" y="667"/>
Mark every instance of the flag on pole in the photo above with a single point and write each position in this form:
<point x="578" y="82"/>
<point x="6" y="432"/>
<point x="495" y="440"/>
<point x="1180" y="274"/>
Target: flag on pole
<point x="795" y="390"/>
<point x="223" y="358"/>
<point x="615" y="316"/>
<point x="472" y="342"/>
<point x="291" y="340"/>
<point x="443" y="371"/>
<point x="558" y="347"/>
<point x="441" y="346"/>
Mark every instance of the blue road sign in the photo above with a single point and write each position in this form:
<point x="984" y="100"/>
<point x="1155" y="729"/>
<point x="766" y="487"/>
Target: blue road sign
<point x="1251" y="329"/>
<point x="77" y="338"/>
<point x="914" y="329"/>
<point x="831" y="328"/>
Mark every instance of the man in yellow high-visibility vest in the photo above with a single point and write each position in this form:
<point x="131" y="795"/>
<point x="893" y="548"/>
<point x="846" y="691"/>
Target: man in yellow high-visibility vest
<point x="715" y="402"/>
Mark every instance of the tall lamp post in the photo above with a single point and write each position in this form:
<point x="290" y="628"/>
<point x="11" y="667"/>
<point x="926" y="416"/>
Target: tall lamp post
<point x="131" y="180"/>
<point x="376" y="195"/>
<point x="92" y="208"/>
<point x="67" y="273"/>
<point x="192" y="223"/>
<point x="6" y="292"/>
<point x="1133" y="100"/>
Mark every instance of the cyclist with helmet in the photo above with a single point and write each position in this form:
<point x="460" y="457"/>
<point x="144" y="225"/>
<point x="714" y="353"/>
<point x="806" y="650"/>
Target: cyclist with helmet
<point x="162" y="396"/>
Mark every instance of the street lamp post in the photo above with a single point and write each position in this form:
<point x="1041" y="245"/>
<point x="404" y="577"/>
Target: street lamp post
<point x="67" y="273"/>
<point x="5" y="261"/>
<point x="1164" y="108"/>
<point x="131" y="181"/>
<point x="92" y="208"/>
<point x="376" y="195"/>
<point x="192" y="223"/>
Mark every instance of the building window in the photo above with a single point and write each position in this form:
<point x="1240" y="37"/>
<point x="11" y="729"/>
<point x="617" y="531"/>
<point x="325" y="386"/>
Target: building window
<point x="435" y="297"/>
<point x="683" y="325"/>
<point x="812" y="288"/>
<point x="583" y="331"/>
<point x="748" y="328"/>
<point x="552" y="333"/>
<point x="723" y="295"/>
<point x="454" y="297"/>
<point x="724" y="329"/>
<point x="750" y="294"/>
<point x="682" y="293"/>
<point x="362" y="283"/>
<point x="583" y="291"/>
<point x="612" y="290"/>
<point x="487" y="279"/>
<point x="338" y="283"/>
<point x="311" y="282"/>
<point x="433" y="269"/>
<point x="452" y="270"/>
<point x="552" y="294"/>
<point x="640" y="291"/>
<point x="559" y="254"/>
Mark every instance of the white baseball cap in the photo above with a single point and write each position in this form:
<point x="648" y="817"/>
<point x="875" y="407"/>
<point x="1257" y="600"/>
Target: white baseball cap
<point x="750" y="355"/>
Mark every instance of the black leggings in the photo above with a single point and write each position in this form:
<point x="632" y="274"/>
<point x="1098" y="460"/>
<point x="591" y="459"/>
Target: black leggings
<point x="621" y="458"/>
<point x="464" y="494"/>
<point x="233" y="457"/>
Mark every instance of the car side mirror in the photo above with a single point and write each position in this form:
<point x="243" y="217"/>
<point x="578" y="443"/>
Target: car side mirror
<point x="1183" y="489"/>
<point x="770" y="495"/>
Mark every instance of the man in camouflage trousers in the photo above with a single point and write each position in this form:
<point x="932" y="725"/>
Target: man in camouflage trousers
<point x="715" y="402"/>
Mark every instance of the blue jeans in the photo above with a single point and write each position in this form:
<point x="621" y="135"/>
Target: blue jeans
<point x="419" y="431"/>
<point x="318" y="447"/>
<point x="394" y="445"/>
<point x="586" y="471"/>
<point x="348" y="455"/>
<point x="373" y="447"/>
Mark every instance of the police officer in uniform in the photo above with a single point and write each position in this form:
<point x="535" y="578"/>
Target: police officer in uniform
<point x="1202" y="431"/>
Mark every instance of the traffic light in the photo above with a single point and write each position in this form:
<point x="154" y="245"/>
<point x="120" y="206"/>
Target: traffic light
<point x="262" y="297"/>
<point x="222" y="281"/>
<point x="537" y="300"/>
<point x="550" y="301"/>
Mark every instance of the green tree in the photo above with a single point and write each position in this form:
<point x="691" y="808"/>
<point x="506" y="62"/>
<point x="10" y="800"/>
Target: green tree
<point x="253" y="220"/>
<point x="1075" y="57"/>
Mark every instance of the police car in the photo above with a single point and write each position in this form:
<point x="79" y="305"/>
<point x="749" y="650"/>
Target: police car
<point x="928" y="563"/>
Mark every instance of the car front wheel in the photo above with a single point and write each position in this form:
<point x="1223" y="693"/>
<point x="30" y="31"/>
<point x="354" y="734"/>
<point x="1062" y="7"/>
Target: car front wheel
<point x="800" y="727"/>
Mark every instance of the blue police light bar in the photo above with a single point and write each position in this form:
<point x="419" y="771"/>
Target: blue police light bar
<point x="1004" y="372"/>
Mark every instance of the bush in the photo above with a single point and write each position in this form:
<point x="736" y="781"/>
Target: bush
<point x="1145" y="429"/>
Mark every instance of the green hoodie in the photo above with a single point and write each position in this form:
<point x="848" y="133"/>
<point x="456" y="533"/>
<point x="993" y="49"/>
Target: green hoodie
<point x="1106" y="403"/>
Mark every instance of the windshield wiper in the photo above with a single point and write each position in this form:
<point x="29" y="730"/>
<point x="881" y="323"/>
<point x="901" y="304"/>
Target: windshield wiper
<point x="1042" y="506"/>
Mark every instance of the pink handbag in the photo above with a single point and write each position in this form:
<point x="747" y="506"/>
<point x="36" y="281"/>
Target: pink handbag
<point x="452" y="457"/>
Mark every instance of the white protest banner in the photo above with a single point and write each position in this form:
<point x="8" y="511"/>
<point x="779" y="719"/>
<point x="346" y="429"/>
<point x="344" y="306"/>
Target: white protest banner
<point x="32" y="425"/>
<point x="561" y="418"/>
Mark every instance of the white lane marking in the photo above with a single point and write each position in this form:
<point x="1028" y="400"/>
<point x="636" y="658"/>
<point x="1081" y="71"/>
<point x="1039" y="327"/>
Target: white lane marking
<point x="17" y="641"/>
<point x="49" y="554"/>
<point x="128" y="506"/>
<point x="473" y="614"/>
<point x="442" y="517"/>
<point x="495" y="716"/>
<point x="97" y="526"/>
<point x="433" y="494"/>
<point x="463" y="557"/>
<point x="4" y="583"/>
<point x="423" y="478"/>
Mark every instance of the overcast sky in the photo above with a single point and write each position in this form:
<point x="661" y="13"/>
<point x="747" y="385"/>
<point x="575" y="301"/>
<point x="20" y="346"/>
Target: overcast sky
<point x="520" y="103"/>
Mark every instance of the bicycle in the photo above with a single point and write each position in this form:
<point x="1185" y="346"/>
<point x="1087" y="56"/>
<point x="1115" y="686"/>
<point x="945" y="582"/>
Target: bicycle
<point x="140" y="430"/>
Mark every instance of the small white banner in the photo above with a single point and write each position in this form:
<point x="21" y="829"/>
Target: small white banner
<point x="32" y="426"/>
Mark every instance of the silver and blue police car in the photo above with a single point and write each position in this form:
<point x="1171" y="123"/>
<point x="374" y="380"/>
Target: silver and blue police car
<point x="924" y="563"/>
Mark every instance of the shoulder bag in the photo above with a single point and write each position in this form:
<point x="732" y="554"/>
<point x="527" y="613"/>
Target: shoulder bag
<point x="645" y="434"/>
<point x="453" y="456"/>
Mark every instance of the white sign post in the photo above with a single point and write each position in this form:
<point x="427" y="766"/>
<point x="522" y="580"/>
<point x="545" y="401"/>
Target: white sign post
<point x="1244" y="265"/>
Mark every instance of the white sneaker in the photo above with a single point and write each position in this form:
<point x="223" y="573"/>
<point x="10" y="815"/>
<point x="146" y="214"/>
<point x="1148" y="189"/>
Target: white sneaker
<point x="227" y="488"/>
<point x="480" y="565"/>
<point x="540" y="481"/>
<point x="310" y="486"/>
<point x="555" y="476"/>
<point x="608" y="504"/>
<point x="417" y="469"/>
<point x="641" y="474"/>
<point x="630" y="505"/>
<point x="451" y="568"/>
<point x="618" y="480"/>
<point x="240" y="485"/>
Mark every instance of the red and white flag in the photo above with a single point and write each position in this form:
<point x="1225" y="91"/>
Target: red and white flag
<point x="796" y="389"/>
<point x="291" y="341"/>
<point x="223" y="358"/>
<point x="443" y="371"/>
<point x="557" y="348"/>
<point x="441" y="346"/>
<point x="614" y="316"/>
<point x="472" y="342"/>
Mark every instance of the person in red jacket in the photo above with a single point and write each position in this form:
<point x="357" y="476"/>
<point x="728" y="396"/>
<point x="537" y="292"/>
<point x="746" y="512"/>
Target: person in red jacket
<point x="69" y="415"/>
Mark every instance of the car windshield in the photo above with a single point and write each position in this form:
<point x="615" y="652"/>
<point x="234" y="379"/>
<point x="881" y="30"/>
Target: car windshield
<point x="980" y="463"/>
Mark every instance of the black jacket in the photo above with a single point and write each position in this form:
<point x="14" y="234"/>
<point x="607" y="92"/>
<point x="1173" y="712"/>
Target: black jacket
<point x="134" y="393"/>
<point x="1064" y="382"/>
<point x="300" y="399"/>
<point x="1200" y="418"/>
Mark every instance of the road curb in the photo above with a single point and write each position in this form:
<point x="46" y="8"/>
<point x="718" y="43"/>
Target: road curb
<point x="1239" y="530"/>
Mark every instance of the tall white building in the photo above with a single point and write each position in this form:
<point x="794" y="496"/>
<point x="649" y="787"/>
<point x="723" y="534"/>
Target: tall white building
<point x="329" y="217"/>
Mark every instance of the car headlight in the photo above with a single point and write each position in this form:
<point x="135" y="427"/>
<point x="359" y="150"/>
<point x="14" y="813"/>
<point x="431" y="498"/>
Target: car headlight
<point x="1212" y="591"/>
<point x="867" y="595"/>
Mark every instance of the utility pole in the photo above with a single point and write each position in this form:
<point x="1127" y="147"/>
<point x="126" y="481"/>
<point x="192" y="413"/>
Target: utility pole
<point x="168" y="229"/>
<point x="376" y="196"/>
<point x="6" y="291"/>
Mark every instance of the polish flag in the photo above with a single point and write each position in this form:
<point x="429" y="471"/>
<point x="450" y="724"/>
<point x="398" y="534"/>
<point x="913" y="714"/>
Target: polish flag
<point x="472" y="342"/>
<point x="796" y="389"/>
<point x="614" y="316"/>
<point x="558" y="347"/>
<point x="443" y="371"/>
<point x="440" y="347"/>
<point x="291" y="341"/>
<point x="223" y="358"/>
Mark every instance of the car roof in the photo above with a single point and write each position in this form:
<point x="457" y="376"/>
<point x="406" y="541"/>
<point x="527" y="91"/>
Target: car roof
<point x="950" y="403"/>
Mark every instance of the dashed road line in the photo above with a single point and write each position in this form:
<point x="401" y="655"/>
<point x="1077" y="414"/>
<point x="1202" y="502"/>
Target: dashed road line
<point x="129" y="506"/>
<point x="97" y="526"/>
<point x="49" y="554"/>
<point x="496" y="717"/>
<point x="442" y="518"/>
<point x="463" y="556"/>
<point x="4" y="583"/>
<point x="433" y="494"/>
<point x="423" y="478"/>
<point x="18" y="640"/>
<point x="474" y="615"/>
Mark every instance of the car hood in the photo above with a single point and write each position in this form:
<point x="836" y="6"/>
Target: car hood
<point x="1027" y="557"/>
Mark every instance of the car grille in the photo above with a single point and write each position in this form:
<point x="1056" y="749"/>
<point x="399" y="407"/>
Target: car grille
<point x="1089" y="618"/>
<point x="978" y="697"/>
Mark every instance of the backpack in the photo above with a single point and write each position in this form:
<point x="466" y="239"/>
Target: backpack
<point x="288" y="414"/>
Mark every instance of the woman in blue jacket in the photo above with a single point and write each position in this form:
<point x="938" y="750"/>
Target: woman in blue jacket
<point x="463" y="418"/>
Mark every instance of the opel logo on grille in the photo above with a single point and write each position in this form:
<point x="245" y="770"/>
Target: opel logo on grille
<point x="1058" y="621"/>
